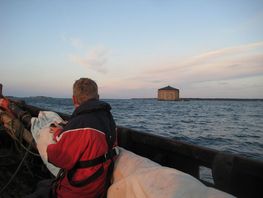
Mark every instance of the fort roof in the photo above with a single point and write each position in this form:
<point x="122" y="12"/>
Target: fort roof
<point x="168" y="88"/>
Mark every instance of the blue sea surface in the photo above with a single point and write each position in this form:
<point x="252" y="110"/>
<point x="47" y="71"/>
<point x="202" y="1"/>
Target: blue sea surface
<point x="225" y="125"/>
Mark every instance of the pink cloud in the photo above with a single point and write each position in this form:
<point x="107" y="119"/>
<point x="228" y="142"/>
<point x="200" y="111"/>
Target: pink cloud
<point x="227" y="63"/>
<point x="95" y="59"/>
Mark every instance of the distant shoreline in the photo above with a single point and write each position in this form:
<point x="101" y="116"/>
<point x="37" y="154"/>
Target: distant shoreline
<point x="222" y="99"/>
<point x="181" y="99"/>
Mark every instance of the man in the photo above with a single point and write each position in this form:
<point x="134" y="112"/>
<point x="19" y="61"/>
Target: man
<point x="85" y="148"/>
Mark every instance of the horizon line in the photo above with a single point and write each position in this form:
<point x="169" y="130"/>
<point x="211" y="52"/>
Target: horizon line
<point x="146" y="98"/>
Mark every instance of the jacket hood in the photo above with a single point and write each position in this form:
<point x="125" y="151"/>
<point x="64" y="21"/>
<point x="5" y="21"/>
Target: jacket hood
<point x="91" y="106"/>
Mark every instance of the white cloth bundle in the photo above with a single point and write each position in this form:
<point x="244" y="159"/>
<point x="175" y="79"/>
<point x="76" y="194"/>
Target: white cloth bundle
<point x="40" y="129"/>
<point x="138" y="177"/>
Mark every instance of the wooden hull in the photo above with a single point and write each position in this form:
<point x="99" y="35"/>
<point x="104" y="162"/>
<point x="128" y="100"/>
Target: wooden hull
<point x="234" y="174"/>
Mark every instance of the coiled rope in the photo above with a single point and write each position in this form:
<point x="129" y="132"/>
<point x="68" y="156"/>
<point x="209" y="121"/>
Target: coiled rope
<point x="27" y="149"/>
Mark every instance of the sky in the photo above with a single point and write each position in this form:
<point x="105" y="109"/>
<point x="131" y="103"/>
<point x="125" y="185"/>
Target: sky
<point x="131" y="48"/>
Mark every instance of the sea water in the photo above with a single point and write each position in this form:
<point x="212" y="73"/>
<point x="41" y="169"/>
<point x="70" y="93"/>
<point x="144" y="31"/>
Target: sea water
<point x="232" y="126"/>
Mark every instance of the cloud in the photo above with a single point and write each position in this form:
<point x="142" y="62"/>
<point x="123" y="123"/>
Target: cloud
<point x="221" y="64"/>
<point x="94" y="59"/>
<point x="229" y="51"/>
<point x="76" y="42"/>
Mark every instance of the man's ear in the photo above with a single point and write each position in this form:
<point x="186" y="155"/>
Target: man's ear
<point x="75" y="101"/>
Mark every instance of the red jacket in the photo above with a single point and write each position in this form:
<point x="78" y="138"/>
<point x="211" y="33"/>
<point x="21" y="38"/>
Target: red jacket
<point x="84" y="138"/>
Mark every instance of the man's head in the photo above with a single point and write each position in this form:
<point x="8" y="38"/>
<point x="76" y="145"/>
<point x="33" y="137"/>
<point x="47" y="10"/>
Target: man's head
<point x="84" y="89"/>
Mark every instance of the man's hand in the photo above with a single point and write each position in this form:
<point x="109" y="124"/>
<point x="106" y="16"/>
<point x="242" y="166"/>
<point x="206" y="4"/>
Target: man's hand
<point x="4" y="104"/>
<point x="55" y="128"/>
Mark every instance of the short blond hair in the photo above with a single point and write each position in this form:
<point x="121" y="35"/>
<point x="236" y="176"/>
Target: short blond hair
<point x="85" y="89"/>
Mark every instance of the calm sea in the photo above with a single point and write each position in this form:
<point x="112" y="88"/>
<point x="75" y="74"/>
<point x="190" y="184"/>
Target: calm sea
<point x="230" y="126"/>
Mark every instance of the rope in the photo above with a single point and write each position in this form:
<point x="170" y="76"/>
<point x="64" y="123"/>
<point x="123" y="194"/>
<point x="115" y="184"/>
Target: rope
<point x="27" y="149"/>
<point x="18" y="168"/>
<point x="20" y="138"/>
